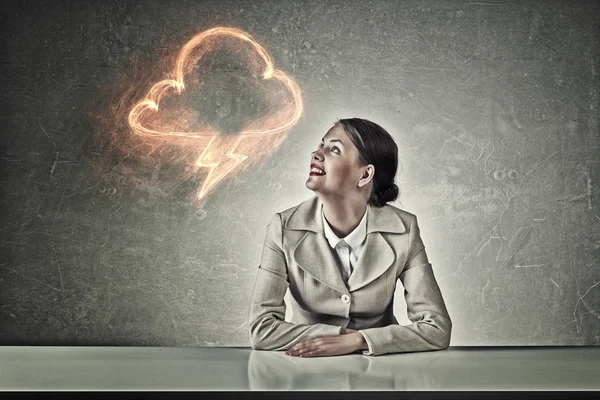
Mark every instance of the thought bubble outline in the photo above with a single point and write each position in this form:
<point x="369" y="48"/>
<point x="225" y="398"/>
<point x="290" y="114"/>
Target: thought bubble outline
<point x="160" y="89"/>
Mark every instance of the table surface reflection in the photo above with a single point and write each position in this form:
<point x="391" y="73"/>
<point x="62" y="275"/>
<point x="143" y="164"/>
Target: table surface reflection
<point x="241" y="369"/>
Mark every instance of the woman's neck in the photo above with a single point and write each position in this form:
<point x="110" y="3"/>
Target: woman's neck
<point x="343" y="216"/>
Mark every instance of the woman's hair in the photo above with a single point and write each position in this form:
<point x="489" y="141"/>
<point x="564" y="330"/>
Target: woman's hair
<point x="375" y="146"/>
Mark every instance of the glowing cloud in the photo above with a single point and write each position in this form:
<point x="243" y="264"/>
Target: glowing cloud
<point x="220" y="153"/>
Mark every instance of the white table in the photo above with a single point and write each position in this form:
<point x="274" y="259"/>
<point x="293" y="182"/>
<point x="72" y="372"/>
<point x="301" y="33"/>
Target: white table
<point x="33" y="368"/>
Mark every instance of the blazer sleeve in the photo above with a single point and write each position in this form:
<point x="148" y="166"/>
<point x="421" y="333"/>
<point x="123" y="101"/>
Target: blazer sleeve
<point x="266" y="318"/>
<point x="431" y="325"/>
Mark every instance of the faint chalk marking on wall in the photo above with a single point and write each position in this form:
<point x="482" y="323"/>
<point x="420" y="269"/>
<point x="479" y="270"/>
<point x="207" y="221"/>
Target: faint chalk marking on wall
<point x="28" y="277"/>
<point x="529" y="266"/>
<point x="483" y="290"/>
<point x="53" y="165"/>
<point x="46" y="133"/>
<point x="589" y="190"/>
<point x="555" y="284"/>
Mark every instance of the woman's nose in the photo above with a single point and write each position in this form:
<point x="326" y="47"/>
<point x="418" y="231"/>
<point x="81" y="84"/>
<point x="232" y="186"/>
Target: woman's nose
<point x="316" y="155"/>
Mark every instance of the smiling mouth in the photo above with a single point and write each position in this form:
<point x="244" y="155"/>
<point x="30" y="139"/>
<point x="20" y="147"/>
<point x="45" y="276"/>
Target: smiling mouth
<point x="316" y="172"/>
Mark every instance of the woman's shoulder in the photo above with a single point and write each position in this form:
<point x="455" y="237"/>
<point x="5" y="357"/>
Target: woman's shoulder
<point x="299" y="214"/>
<point x="403" y="220"/>
<point x="305" y="206"/>
<point x="405" y="215"/>
<point x="312" y="203"/>
<point x="305" y="213"/>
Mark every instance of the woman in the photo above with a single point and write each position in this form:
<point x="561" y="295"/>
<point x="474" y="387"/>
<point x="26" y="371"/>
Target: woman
<point x="341" y="253"/>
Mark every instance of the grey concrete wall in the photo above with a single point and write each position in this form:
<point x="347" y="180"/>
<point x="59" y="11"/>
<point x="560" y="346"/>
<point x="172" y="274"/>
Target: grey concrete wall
<point x="493" y="104"/>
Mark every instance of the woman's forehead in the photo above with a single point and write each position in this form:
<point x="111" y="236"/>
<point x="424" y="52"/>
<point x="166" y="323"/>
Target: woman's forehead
<point x="336" y="132"/>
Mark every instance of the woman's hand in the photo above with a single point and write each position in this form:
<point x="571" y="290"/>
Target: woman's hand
<point x="328" y="346"/>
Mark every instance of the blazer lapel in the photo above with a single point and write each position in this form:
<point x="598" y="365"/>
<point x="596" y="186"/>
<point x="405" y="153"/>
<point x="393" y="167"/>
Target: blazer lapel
<point x="314" y="255"/>
<point x="377" y="256"/>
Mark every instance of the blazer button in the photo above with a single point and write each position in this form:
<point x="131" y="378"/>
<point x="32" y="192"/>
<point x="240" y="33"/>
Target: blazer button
<point x="345" y="299"/>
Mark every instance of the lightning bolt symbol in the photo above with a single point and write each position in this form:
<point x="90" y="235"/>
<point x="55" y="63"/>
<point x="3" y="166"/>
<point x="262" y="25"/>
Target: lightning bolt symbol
<point x="220" y="164"/>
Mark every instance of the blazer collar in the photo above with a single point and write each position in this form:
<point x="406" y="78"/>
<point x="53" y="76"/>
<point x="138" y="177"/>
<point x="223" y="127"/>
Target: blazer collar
<point x="315" y="256"/>
<point x="353" y="239"/>
<point x="307" y="216"/>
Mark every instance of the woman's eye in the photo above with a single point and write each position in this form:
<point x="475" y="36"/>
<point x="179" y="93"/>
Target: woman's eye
<point x="334" y="147"/>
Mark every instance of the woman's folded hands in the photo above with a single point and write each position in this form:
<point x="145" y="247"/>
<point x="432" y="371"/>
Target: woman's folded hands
<point x="348" y="342"/>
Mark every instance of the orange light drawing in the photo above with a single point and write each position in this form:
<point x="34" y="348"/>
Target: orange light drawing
<point x="220" y="153"/>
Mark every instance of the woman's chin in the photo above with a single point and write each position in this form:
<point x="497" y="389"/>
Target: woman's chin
<point x="310" y="184"/>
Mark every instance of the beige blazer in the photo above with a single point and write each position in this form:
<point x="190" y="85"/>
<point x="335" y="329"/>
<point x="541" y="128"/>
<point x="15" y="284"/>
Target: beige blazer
<point x="296" y="254"/>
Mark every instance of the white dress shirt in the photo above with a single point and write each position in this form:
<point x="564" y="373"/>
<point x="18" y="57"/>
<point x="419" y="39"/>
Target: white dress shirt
<point x="348" y="250"/>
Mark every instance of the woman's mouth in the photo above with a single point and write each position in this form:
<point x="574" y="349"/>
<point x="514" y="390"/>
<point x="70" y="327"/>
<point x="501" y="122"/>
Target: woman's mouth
<point x="316" y="171"/>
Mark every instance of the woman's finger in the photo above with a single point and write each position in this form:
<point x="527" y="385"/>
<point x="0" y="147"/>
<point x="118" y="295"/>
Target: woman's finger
<point x="319" y="346"/>
<point x="305" y="350"/>
<point x="310" y="342"/>
<point x="297" y="346"/>
<point x="301" y="345"/>
<point x="313" y="353"/>
<point x="312" y="349"/>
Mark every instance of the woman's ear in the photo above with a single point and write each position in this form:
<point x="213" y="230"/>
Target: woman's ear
<point x="367" y="176"/>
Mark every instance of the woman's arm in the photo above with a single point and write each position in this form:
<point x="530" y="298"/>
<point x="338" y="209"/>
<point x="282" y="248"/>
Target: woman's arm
<point x="268" y="329"/>
<point x="431" y="325"/>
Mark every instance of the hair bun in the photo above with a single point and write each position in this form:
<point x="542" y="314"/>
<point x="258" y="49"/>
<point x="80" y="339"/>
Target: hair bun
<point x="386" y="193"/>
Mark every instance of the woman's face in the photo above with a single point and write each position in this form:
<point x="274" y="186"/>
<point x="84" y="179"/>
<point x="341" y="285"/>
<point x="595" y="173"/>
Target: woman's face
<point x="337" y="156"/>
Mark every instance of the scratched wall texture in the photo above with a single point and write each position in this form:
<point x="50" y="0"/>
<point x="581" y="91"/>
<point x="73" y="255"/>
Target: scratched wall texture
<point x="494" y="106"/>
